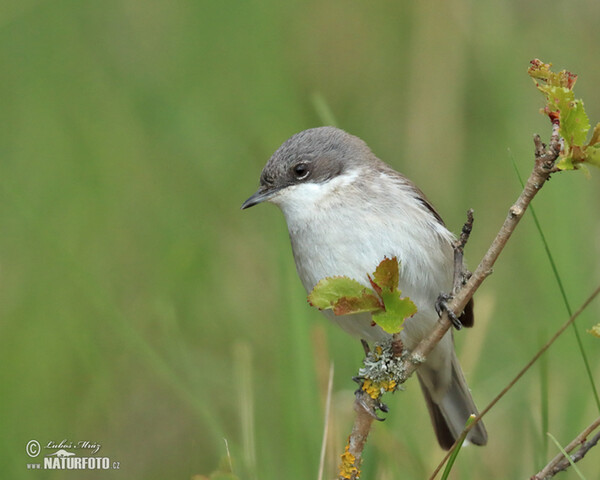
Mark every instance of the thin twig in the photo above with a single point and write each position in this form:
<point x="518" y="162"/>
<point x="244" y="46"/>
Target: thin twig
<point x="543" y="168"/>
<point x="520" y="374"/>
<point x="579" y="454"/>
<point x="560" y="462"/>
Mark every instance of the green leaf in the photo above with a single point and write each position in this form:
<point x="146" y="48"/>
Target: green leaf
<point x="397" y="309"/>
<point x="559" y="98"/>
<point x="541" y="71"/>
<point x="367" y="302"/>
<point x="574" y="123"/>
<point x="385" y="281"/>
<point x="565" y="163"/>
<point x="562" y="108"/>
<point x="387" y="274"/>
<point x="330" y="289"/>
<point x="344" y="296"/>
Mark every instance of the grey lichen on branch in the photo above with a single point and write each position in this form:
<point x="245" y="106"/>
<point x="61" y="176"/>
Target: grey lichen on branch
<point x="383" y="371"/>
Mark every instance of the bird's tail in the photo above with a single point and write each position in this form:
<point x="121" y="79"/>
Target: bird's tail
<point x="450" y="412"/>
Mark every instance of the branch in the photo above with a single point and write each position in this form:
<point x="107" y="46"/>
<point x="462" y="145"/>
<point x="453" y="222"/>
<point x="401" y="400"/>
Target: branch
<point x="364" y="406"/>
<point x="545" y="158"/>
<point x="560" y="462"/>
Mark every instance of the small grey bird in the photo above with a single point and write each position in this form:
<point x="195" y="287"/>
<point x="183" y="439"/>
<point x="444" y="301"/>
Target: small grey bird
<point x="346" y="210"/>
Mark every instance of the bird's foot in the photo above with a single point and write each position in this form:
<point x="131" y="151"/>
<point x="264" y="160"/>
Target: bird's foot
<point x="441" y="305"/>
<point x="370" y="404"/>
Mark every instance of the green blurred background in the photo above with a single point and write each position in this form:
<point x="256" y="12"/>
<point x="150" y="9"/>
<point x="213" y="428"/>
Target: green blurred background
<point x="142" y="310"/>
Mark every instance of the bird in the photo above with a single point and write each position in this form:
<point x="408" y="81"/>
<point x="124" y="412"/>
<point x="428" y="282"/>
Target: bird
<point x="346" y="210"/>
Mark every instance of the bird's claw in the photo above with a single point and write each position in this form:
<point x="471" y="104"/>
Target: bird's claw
<point x="441" y="305"/>
<point x="365" y="346"/>
<point x="370" y="405"/>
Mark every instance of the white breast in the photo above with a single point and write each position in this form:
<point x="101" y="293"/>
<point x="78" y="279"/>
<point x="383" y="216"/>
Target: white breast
<point x="344" y="227"/>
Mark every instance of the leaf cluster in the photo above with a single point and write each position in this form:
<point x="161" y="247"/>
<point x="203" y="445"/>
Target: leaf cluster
<point x="568" y="112"/>
<point x="345" y="296"/>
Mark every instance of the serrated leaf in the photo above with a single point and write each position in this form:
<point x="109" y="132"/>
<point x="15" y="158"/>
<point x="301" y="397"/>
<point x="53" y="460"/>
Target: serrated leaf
<point x="574" y="123"/>
<point x="397" y="310"/>
<point x="331" y="289"/>
<point x="386" y="275"/>
<point x="347" y="296"/>
<point x="344" y="295"/>
<point x="559" y="98"/>
<point x="569" y="113"/>
<point x="367" y="302"/>
<point x="566" y="163"/>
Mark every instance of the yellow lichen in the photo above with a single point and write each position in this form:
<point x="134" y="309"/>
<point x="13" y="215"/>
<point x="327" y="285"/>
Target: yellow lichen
<point x="348" y="468"/>
<point x="372" y="389"/>
<point x="376" y="389"/>
<point x="388" y="385"/>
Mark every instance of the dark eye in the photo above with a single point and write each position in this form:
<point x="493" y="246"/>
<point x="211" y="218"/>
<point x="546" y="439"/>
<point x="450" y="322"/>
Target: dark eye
<point x="301" y="171"/>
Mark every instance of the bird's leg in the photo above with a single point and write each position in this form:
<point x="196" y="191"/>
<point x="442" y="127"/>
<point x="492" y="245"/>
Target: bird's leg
<point x="461" y="275"/>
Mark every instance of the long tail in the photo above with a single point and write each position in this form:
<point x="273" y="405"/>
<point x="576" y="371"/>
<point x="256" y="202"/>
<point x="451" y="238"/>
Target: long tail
<point x="450" y="413"/>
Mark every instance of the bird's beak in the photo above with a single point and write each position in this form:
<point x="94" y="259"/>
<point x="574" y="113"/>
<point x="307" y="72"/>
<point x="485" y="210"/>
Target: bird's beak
<point x="262" y="194"/>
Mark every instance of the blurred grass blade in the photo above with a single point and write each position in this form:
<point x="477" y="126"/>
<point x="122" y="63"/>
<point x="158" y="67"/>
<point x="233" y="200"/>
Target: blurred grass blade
<point x="243" y="367"/>
<point x="326" y="423"/>
<point x="228" y="454"/>
<point x="543" y="364"/>
<point x="324" y="112"/>
<point x="562" y="290"/>
<point x="454" y="454"/>
<point x="567" y="456"/>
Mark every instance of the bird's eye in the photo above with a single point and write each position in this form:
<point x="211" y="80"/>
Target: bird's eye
<point x="300" y="171"/>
